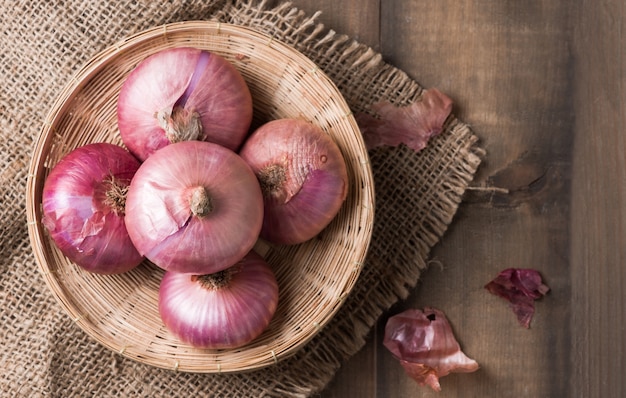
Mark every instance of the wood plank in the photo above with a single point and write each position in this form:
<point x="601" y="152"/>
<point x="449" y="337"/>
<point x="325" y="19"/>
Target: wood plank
<point x="599" y="203"/>
<point x="508" y="67"/>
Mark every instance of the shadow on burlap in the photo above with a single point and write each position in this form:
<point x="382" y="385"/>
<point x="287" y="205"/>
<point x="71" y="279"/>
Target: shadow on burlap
<point x="43" y="353"/>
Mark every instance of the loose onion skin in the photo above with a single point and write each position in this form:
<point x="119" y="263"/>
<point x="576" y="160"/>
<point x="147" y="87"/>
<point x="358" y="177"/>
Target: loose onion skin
<point x="520" y="287"/>
<point x="207" y="316"/>
<point x="183" y="94"/>
<point x="425" y="345"/>
<point x="83" y="207"/>
<point x="303" y="177"/>
<point x="194" y="207"/>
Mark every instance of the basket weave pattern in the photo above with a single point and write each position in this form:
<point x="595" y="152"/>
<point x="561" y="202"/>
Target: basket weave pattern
<point x="121" y="311"/>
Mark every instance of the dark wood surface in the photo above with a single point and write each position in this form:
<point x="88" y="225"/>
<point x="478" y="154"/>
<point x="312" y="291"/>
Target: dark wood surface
<point x="542" y="83"/>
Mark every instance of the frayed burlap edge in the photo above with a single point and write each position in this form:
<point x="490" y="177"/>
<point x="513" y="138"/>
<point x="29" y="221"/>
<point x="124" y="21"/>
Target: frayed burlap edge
<point x="417" y="196"/>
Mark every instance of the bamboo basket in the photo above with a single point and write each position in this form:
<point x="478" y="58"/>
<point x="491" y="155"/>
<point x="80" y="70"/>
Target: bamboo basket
<point x="120" y="311"/>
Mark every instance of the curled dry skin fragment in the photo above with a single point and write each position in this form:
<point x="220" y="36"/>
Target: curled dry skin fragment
<point x="520" y="287"/>
<point x="425" y="345"/>
<point x="411" y="125"/>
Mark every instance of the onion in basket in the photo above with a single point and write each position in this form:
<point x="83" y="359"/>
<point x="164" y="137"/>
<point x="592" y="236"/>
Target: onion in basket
<point x="183" y="94"/>
<point x="303" y="177"/>
<point x="226" y="309"/>
<point x="83" y="207"/>
<point x="194" y="207"/>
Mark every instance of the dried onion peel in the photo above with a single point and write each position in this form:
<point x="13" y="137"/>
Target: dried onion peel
<point x="425" y="345"/>
<point x="412" y="125"/>
<point x="520" y="287"/>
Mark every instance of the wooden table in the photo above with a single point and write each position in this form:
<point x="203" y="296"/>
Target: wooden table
<point x="543" y="84"/>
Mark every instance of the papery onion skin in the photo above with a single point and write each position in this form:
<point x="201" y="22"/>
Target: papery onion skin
<point x="84" y="225"/>
<point x="204" y="85"/>
<point x="412" y="125"/>
<point x="425" y="345"/>
<point x="314" y="183"/>
<point x="520" y="287"/>
<point x="159" y="214"/>
<point x="220" y="318"/>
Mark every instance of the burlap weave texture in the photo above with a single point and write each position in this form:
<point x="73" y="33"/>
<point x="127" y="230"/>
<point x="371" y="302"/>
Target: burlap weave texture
<point x="44" y="354"/>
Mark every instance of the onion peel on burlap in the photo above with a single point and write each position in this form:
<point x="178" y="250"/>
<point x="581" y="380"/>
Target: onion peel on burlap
<point x="412" y="125"/>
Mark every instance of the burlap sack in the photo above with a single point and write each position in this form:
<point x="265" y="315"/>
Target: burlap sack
<point x="43" y="353"/>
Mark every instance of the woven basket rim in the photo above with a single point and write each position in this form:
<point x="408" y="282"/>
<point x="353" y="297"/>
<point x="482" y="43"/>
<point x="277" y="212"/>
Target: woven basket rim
<point x="347" y="251"/>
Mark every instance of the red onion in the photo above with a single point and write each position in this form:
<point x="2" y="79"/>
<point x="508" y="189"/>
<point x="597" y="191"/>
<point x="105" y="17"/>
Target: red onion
<point x="226" y="309"/>
<point x="194" y="207"/>
<point x="303" y="177"/>
<point x="183" y="94"/>
<point x="83" y="207"/>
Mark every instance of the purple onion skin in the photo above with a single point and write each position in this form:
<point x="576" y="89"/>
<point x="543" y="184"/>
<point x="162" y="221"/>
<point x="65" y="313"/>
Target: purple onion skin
<point x="86" y="229"/>
<point x="205" y="85"/>
<point x="160" y="217"/>
<point x="228" y="317"/>
<point x="316" y="179"/>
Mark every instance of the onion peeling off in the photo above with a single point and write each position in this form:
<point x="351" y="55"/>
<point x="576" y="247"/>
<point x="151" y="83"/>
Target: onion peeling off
<point x="520" y="287"/>
<point x="425" y="345"/>
<point x="83" y="203"/>
<point x="413" y="125"/>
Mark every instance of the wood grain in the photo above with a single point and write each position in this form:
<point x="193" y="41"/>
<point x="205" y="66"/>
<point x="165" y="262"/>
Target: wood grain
<point x="542" y="85"/>
<point x="359" y="19"/>
<point x="598" y="217"/>
<point x="507" y="65"/>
